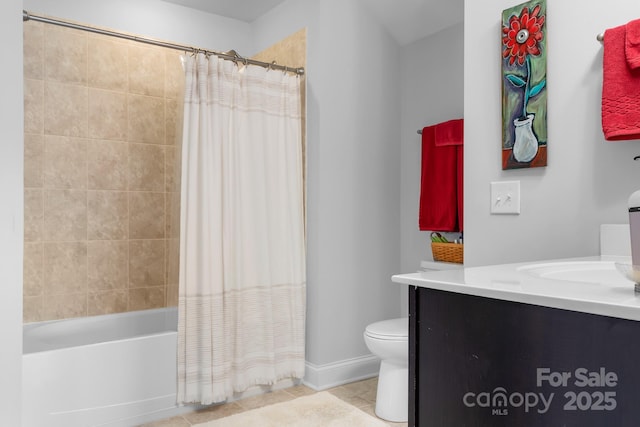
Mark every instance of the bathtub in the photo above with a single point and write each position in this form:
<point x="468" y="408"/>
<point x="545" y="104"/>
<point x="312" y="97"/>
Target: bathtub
<point x="116" y="370"/>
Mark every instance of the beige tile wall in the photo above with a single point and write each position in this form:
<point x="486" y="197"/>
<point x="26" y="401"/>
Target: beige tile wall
<point x="101" y="119"/>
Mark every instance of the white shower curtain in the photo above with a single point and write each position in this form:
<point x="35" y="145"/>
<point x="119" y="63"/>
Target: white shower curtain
<point x="242" y="249"/>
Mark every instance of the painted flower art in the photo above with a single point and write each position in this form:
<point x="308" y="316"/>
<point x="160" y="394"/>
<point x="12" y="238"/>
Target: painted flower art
<point x="521" y="39"/>
<point x="522" y="36"/>
<point x="524" y="73"/>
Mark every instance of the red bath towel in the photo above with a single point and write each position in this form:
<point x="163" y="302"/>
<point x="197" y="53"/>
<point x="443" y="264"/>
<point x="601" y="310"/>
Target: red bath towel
<point x="442" y="177"/>
<point x="632" y="44"/>
<point x="620" y="89"/>
<point x="449" y="133"/>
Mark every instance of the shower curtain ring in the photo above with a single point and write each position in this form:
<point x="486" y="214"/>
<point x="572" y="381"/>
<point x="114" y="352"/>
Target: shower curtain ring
<point x="272" y="65"/>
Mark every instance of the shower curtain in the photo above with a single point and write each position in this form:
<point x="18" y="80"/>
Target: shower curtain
<point x="242" y="249"/>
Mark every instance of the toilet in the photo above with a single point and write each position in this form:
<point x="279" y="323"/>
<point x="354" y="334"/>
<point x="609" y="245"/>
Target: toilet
<point x="389" y="340"/>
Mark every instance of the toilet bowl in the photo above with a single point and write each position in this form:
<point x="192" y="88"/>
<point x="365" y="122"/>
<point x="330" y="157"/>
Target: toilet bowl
<point x="389" y="340"/>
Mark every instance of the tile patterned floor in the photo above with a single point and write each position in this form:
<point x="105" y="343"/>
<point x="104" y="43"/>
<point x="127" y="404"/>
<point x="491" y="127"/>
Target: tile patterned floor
<point x="361" y="394"/>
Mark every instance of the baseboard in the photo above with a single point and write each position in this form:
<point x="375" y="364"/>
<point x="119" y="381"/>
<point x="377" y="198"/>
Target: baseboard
<point x="322" y="377"/>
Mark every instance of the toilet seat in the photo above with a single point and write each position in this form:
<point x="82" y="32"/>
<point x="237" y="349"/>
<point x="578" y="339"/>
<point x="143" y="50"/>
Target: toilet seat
<point x="393" y="330"/>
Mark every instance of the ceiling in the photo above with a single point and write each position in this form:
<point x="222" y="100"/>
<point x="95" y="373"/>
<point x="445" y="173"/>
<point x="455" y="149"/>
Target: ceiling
<point x="242" y="10"/>
<point x="406" y="20"/>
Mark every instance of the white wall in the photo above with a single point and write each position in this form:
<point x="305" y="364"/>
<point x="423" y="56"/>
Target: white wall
<point x="154" y="19"/>
<point x="353" y="75"/>
<point x="587" y="180"/>
<point x="11" y="214"/>
<point x="432" y="92"/>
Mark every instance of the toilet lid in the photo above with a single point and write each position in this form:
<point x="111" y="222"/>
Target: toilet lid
<point x="393" y="329"/>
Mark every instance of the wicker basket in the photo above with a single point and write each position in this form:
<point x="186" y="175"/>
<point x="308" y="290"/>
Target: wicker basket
<point x="447" y="252"/>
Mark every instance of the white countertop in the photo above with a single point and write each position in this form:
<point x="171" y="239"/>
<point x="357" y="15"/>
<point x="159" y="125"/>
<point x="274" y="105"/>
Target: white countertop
<point x="613" y="297"/>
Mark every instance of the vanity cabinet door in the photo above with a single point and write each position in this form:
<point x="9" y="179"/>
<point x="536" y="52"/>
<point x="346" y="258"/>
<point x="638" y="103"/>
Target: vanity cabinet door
<point x="480" y="362"/>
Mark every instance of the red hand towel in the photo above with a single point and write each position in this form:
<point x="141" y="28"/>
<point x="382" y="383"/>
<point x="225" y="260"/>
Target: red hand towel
<point x="441" y="180"/>
<point x="632" y="44"/>
<point x="620" y="90"/>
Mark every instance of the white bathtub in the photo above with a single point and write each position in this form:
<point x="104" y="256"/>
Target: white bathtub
<point x="115" y="370"/>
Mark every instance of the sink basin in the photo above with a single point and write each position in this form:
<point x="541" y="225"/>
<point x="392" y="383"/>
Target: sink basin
<point x="601" y="272"/>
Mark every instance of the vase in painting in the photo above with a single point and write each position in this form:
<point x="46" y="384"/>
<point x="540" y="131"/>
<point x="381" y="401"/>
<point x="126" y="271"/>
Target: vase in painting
<point x="525" y="146"/>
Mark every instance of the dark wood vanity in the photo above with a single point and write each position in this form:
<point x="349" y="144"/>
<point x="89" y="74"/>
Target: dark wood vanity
<point x="476" y="361"/>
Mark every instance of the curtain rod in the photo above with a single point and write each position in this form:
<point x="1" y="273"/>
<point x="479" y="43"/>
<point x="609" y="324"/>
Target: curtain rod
<point x="232" y="55"/>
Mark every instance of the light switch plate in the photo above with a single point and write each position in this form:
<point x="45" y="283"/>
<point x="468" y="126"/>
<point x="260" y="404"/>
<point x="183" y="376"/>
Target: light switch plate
<point x="505" y="197"/>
